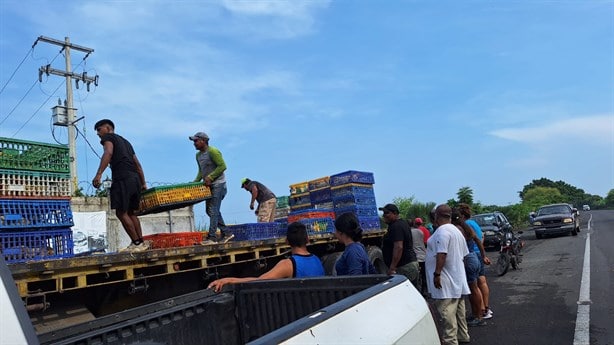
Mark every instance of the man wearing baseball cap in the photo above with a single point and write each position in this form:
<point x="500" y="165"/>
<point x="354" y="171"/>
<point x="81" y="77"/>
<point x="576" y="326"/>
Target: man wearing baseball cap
<point x="211" y="167"/>
<point x="398" y="245"/>
<point x="420" y="225"/>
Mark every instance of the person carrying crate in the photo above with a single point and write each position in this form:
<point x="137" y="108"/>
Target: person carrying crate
<point x="128" y="181"/>
<point x="211" y="167"/>
<point x="266" y="200"/>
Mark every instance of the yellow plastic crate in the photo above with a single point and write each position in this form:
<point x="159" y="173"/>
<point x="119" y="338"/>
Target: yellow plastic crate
<point x="164" y="198"/>
<point x="299" y="188"/>
<point x="319" y="183"/>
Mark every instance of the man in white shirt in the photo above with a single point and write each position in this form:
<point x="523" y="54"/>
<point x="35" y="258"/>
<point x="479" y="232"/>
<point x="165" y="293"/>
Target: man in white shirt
<point x="446" y="279"/>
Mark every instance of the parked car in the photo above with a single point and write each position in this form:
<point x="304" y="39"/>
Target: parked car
<point x="586" y="208"/>
<point x="555" y="219"/>
<point x="492" y="224"/>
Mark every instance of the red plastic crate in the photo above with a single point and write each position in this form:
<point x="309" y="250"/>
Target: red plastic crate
<point x="295" y="216"/>
<point x="177" y="239"/>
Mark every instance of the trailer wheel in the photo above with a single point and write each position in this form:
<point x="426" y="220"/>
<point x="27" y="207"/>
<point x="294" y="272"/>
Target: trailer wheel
<point x="329" y="261"/>
<point x="377" y="259"/>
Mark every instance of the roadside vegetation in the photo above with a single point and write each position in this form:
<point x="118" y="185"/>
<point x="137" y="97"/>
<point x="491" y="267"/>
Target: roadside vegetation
<point x="533" y="195"/>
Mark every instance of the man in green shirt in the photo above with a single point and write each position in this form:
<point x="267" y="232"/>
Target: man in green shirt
<point x="211" y="167"/>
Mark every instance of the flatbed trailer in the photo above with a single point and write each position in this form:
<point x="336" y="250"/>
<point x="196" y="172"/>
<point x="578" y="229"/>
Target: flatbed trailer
<point x="61" y="292"/>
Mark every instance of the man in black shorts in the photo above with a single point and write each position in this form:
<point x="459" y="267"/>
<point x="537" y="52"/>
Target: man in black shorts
<point x="128" y="181"/>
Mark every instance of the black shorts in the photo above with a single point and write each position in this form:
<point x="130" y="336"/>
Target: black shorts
<point x="126" y="194"/>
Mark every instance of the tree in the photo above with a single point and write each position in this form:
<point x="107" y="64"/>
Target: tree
<point x="410" y="209"/>
<point x="569" y="193"/>
<point x="517" y="214"/>
<point x="609" y="199"/>
<point x="465" y="195"/>
<point x="404" y="204"/>
<point x="539" y="196"/>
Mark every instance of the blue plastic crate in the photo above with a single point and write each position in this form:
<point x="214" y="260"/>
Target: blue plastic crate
<point x="352" y="190"/>
<point x="36" y="245"/>
<point x="352" y="200"/>
<point x="256" y="231"/>
<point x="18" y="214"/>
<point x="351" y="176"/>
<point x="319" y="183"/>
<point x="300" y="200"/>
<point x="320" y="196"/>
<point x="358" y="210"/>
<point x="369" y="223"/>
<point x="318" y="226"/>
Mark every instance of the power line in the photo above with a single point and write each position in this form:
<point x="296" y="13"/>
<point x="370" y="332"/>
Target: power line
<point x="39" y="108"/>
<point x="88" y="143"/>
<point x="18" y="103"/>
<point x="17" y="68"/>
<point x="24" y="96"/>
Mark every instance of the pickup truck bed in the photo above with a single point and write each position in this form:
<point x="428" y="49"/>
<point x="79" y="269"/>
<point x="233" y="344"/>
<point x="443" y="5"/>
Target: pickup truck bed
<point x="316" y="310"/>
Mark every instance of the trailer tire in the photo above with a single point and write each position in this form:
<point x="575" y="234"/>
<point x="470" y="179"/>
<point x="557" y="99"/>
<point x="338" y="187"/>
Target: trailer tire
<point x="329" y="261"/>
<point x="377" y="259"/>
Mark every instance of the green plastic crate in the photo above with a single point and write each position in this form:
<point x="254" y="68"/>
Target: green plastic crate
<point x="34" y="156"/>
<point x="282" y="201"/>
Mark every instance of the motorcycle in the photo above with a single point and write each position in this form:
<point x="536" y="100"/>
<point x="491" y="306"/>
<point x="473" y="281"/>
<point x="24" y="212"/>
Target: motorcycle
<point x="509" y="254"/>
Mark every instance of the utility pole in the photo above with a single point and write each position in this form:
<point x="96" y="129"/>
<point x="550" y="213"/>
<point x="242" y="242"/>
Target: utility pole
<point x="68" y="110"/>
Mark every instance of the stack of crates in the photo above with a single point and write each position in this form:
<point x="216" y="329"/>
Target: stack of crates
<point x="318" y="215"/>
<point x="320" y="193"/>
<point x="299" y="196"/>
<point x="352" y="191"/>
<point x="35" y="214"/>
<point x="282" y="209"/>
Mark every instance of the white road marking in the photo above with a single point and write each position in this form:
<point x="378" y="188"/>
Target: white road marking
<point x="583" y="317"/>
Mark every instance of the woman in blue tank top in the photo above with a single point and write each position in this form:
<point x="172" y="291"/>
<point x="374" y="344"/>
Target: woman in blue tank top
<point x="301" y="264"/>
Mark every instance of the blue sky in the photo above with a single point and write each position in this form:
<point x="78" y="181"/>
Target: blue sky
<point x="429" y="96"/>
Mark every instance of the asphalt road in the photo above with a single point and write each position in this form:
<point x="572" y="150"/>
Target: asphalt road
<point x="539" y="302"/>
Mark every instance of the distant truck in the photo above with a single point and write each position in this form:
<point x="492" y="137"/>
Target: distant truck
<point x="555" y="219"/>
<point x="355" y="310"/>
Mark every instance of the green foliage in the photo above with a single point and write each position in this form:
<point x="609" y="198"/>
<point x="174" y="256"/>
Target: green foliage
<point x="101" y="192"/>
<point x="535" y="194"/>
<point x="465" y="195"/>
<point x="518" y="215"/>
<point x="539" y="196"/>
<point x="569" y="193"/>
<point x="410" y="209"/>
<point x="78" y="192"/>
<point x="609" y="199"/>
<point x="404" y="205"/>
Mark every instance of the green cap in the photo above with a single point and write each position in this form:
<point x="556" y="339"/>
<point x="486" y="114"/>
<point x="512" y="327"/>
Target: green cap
<point x="243" y="181"/>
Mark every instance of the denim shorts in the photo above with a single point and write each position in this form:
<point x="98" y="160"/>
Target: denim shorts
<point x="481" y="271"/>
<point x="472" y="267"/>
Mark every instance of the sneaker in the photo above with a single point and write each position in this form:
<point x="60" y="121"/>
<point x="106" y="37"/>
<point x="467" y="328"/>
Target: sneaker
<point x="226" y="239"/>
<point x="476" y="322"/>
<point x="487" y="314"/>
<point x="127" y="249"/>
<point x="208" y="242"/>
<point x="137" y="248"/>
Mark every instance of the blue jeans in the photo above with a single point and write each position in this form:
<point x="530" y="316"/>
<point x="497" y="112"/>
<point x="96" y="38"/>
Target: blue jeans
<point x="212" y="207"/>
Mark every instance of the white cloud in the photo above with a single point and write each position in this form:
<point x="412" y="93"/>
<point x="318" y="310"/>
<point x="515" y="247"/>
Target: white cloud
<point x="292" y="9"/>
<point x="597" y="129"/>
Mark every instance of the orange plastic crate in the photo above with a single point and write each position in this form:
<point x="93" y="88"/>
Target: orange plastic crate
<point x="177" y="239"/>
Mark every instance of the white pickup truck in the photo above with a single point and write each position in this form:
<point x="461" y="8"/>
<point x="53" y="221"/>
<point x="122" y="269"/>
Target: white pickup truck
<point x="374" y="309"/>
